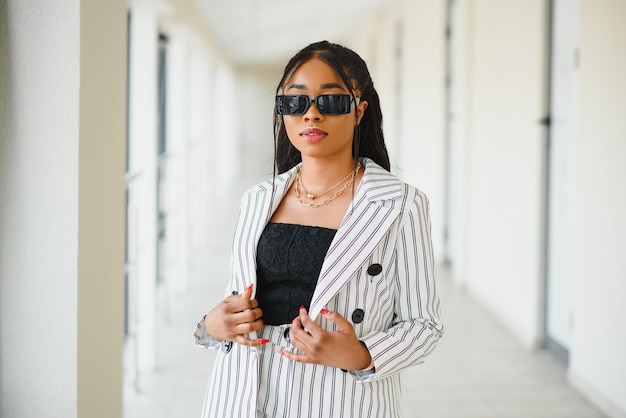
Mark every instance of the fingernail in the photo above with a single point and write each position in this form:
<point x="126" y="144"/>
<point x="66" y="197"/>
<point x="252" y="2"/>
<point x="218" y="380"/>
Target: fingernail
<point x="281" y="352"/>
<point x="302" y="307"/>
<point x="324" y="311"/>
<point x="249" y="286"/>
<point x="263" y="342"/>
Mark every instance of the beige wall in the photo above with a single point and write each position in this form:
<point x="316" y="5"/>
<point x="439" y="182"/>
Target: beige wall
<point x="102" y="132"/>
<point x="598" y="362"/>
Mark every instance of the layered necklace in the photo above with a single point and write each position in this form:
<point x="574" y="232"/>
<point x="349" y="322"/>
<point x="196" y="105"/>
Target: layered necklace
<point x="337" y="189"/>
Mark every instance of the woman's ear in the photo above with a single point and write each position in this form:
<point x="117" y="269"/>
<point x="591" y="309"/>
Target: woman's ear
<point x="360" y="111"/>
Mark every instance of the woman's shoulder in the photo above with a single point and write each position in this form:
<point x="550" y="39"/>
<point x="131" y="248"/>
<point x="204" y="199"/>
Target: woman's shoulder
<point x="380" y="182"/>
<point x="271" y="183"/>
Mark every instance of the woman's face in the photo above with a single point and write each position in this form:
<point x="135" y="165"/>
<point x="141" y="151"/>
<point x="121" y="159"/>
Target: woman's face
<point x="314" y="134"/>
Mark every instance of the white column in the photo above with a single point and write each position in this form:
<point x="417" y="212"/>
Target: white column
<point x="39" y="208"/>
<point x="143" y="169"/>
<point x="178" y="108"/>
<point x="459" y="140"/>
<point x="225" y="145"/>
<point x="421" y="128"/>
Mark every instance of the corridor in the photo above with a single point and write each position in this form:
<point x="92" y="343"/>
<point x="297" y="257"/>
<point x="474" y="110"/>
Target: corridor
<point x="130" y="128"/>
<point x="479" y="370"/>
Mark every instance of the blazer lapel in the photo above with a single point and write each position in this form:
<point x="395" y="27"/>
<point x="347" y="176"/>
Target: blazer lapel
<point x="255" y="218"/>
<point x="364" y="226"/>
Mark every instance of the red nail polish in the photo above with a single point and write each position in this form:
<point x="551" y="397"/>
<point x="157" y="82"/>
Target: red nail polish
<point x="263" y="342"/>
<point x="302" y="307"/>
<point x="324" y="311"/>
<point x="281" y="352"/>
<point x="249" y="286"/>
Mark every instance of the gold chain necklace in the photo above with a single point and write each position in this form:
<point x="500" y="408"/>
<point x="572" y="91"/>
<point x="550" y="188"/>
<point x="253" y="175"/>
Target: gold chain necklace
<point x="346" y="181"/>
<point x="313" y="196"/>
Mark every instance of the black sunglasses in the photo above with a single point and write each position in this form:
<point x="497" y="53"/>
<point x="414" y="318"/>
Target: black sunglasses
<point x="327" y="104"/>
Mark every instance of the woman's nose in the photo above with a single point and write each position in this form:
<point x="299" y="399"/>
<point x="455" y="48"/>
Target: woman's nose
<point x="312" y="113"/>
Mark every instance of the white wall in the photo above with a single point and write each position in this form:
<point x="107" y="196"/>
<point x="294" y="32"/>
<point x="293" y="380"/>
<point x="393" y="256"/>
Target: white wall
<point x="256" y="87"/>
<point x="506" y="162"/>
<point x="598" y="360"/>
<point x="61" y="208"/>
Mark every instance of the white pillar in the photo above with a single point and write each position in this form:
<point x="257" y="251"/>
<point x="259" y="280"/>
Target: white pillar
<point x="143" y="174"/>
<point x="178" y="108"/>
<point x="460" y="139"/>
<point x="421" y="127"/>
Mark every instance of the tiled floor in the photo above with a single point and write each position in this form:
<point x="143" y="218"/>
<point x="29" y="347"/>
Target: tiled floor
<point x="479" y="370"/>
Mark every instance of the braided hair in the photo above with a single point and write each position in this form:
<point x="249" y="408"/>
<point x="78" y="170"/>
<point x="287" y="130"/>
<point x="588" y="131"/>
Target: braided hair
<point x="368" y="140"/>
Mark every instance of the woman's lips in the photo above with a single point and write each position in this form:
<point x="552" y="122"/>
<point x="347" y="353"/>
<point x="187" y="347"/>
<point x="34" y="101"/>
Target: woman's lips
<point x="313" y="135"/>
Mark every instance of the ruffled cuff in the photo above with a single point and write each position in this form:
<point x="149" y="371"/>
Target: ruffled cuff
<point x="203" y="338"/>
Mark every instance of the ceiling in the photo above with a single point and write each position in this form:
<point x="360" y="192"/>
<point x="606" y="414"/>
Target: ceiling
<point x="255" y="32"/>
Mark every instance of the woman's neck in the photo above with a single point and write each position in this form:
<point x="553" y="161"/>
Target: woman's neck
<point x="318" y="175"/>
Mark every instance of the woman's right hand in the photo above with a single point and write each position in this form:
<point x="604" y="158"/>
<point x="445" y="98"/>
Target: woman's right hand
<point x="235" y="316"/>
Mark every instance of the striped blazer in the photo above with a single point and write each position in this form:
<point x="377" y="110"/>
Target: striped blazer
<point x="378" y="273"/>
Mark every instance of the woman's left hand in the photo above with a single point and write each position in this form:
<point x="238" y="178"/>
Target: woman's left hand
<point x="340" y="348"/>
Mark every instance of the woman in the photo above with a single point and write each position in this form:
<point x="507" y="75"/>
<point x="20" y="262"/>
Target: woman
<point x="332" y="290"/>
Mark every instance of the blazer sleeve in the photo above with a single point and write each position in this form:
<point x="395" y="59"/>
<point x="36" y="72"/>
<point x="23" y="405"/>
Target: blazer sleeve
<point x="417" y="326"/>
<point x="201" y="335"/>
<point x="203" y="338"/>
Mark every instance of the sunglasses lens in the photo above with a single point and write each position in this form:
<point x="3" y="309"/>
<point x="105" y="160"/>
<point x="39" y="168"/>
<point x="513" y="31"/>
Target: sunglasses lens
<point x="327" y="104"/>
<point x="292" y="104"/>
<point x="333" y="104"/>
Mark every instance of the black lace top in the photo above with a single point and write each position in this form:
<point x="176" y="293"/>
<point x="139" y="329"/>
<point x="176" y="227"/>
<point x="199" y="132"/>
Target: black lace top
<point x="289" y="261"/>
